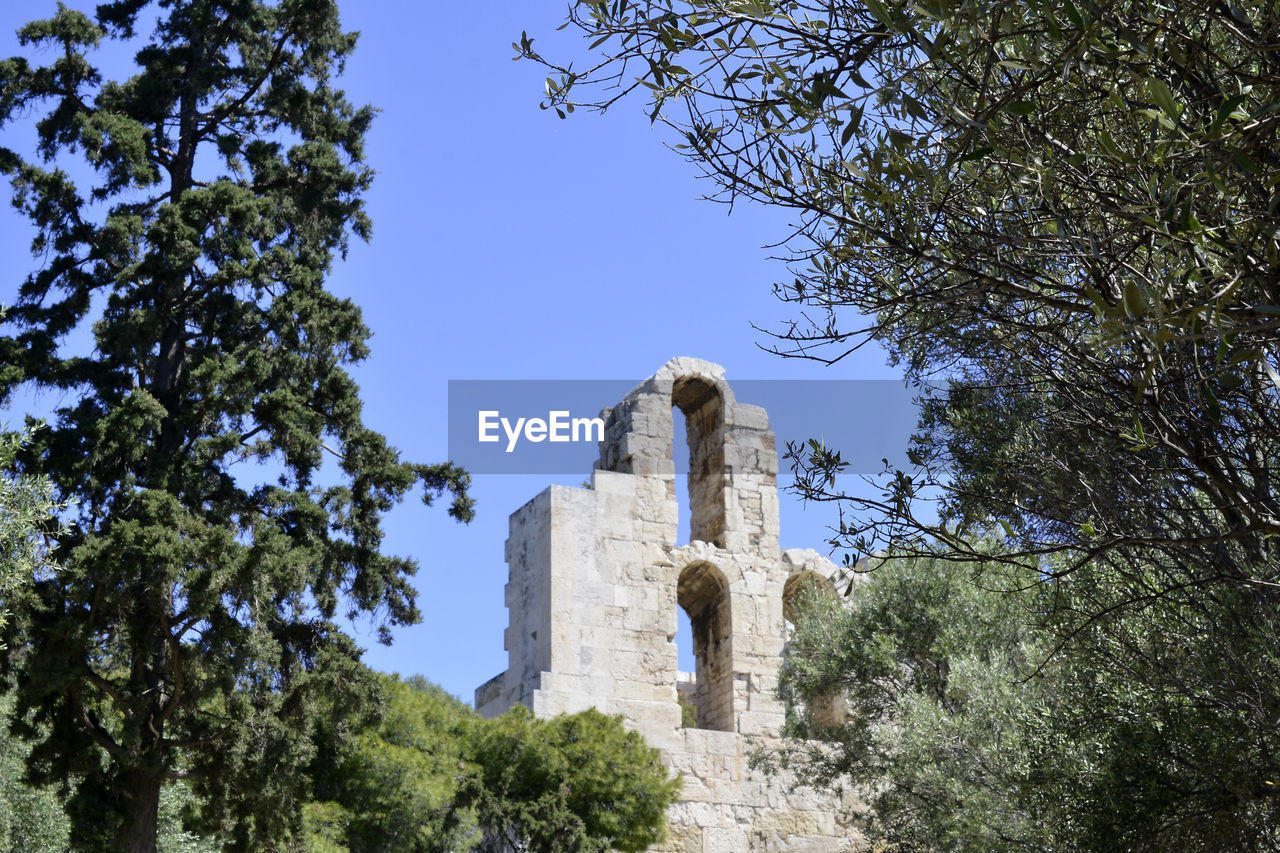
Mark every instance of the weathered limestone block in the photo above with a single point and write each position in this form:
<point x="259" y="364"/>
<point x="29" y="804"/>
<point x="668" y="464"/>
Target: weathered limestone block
<point x="596" y="578"/>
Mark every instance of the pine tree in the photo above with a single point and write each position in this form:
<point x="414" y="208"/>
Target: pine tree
<point x="191" y="634"/>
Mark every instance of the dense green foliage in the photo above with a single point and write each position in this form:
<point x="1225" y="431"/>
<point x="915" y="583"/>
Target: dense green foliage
<point x="576" y="783"/>
<point x="941" y="724"/>
<point x="1065" y="214"/>
<point x="190" y="631"/>
<point x="35" y="819"/>
<point x="394" y="786"/>
<point x="432" y="776"/>
<point x="29" y="819"/>
<point x="27" y="508"/>
<point x="420" y="773"/>
<point x="969" y="735"/>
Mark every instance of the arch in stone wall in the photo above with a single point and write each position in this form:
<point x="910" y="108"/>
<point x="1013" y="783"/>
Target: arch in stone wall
<point x="797" y="583"/>
<point x="703" y="592"/>
<point x="702" y="402"/>
<point x="828" y="709"/>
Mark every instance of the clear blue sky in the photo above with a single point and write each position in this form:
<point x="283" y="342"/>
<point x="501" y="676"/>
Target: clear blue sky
<point x="509" y="244"/>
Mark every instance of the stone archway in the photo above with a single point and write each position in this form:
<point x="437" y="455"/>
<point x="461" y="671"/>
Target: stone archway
<point x="703" y="593"/>
<point x="799" y="583"/>
<point x="828" y="709"/>
<point x="700" y="402"/>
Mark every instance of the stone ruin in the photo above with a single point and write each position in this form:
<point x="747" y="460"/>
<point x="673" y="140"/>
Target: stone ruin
<point x="596" y="576"/>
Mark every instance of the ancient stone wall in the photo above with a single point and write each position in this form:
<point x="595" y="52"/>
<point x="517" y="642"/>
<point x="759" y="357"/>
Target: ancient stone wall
<point x="596" y="577"/>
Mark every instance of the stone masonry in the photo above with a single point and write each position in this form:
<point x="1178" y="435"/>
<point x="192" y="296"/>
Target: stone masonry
<point x="596" y="576"/>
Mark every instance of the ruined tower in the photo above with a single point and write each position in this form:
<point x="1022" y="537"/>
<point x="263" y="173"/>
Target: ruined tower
<point x="596" y="577"/>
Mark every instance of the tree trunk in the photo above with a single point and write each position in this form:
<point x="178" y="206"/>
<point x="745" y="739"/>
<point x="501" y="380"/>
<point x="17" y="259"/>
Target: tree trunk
<point x="138" y="833"/>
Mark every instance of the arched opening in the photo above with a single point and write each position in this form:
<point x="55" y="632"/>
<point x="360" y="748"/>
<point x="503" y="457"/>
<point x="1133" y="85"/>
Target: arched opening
<point x="680" y="463"/>
<point x="699" y="401"/>
<point x="703" y="594"/>
<point x="797" y="585"/>
<point x="828" y="709"/>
